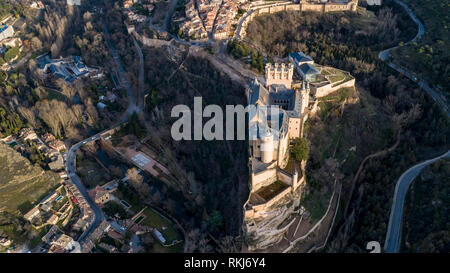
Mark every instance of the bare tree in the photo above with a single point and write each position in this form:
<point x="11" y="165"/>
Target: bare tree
<point x="228" y="244"/>
<point x="29" y="115"/>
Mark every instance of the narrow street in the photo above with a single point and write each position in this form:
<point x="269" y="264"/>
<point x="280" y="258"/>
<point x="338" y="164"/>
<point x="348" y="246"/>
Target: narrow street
<point x="70" y="164"/>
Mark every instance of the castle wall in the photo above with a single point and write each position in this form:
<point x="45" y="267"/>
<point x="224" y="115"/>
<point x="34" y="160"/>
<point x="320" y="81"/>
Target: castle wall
<point x="277" y="7"/>
<point x="257" y="210"/>
<point x="149" y="41"/>
<point x="284" y="177"/>
<point x="260" y="210"/>
<point x="294" y="127"/>
<point x="312" y="7"/>
<point x="263" y="178"/>
<point x="329" y="88"/>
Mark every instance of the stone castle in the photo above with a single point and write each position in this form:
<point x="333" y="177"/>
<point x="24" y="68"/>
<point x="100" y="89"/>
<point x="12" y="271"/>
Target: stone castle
<point x="276" y="182"/>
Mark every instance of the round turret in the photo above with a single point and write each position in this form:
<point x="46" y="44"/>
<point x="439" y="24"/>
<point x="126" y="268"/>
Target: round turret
<point x="267" y="147"/>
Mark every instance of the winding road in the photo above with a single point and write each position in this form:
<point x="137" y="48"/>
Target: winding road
<point x="71" y="154"/>
<point x="393" y="236"/>
<point x="384" y="56"/>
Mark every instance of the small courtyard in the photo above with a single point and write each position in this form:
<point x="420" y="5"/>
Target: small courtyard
<point x="272" y="190"/>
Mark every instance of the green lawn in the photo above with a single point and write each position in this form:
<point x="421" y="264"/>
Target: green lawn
<point x="166" y="227"/>
<point x="268" y="192"/>
<point x="54" y="95"/>
<point x="21" y="182"/>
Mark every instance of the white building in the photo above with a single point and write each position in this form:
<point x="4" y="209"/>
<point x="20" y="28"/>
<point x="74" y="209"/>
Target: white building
<point x="73" y="2"/>
<point x="6" y="32"/>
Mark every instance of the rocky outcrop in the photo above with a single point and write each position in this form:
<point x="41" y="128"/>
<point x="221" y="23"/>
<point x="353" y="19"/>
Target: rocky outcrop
<point x="268" y="227"/>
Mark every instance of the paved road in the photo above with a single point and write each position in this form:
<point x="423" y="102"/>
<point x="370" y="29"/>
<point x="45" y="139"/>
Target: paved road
<point x="169" y="14"/>
<point x="237" y="32"/>
<point x="71" y="154"/>
<point x="70" y="169"/>
<point x="132" y="107"/>
<point x="393" y="236"/>
<point x="20" y="62"/>
<point x="384" y="56"/>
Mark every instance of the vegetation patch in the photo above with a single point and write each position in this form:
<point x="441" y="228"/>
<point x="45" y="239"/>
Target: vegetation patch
<point x="426" y="227"/>
<point x="155" y="220"/>
<point x="272" y="190"/>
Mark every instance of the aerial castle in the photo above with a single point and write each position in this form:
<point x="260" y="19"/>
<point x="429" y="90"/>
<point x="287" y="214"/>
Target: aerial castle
<point x="281" y="107"/>
<point x="270" y="134"/>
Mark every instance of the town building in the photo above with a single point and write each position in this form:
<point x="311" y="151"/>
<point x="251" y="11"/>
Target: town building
<point x="53" y="219"/>
<point x="57" y="145"/>
<point x="69" y="69"/>
<point x="28" y="134"/>
<point x="37" y="5"/>
<point x="64" y="244"/>
<point x="5" y="242"/>
<point x="101" y="196"/>
<point x="47" y="137"/>
<point x="51" y="234"/>
<point x="209" y="18"/>
<point x="374" y="2"/>
<point x="11" y="42"/>
<point x="109" y="248"/>
<point x="33" y="213"/>
<point x="6" y="32"/>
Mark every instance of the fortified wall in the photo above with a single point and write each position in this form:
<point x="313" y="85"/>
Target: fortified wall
<point x="302" y="5"/>
<point x="279" y="74"/>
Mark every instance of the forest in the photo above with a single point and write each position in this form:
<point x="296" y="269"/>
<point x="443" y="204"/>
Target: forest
<point x="12" y="7"/>
<point x="27" y="98"/>
<point x="386" y="107"/>
<point x="430" y="56"/>
<point x="426" y="226"/>
<point x="216" y="171"/>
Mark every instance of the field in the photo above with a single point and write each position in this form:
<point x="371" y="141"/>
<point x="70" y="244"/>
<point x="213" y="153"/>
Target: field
<point x="20" y="182"/>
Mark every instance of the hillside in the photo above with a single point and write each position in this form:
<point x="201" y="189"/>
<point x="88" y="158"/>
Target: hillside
<point x="427" y="212"/>
<point x="430" y="56"/>
<point x="20" y="182"/>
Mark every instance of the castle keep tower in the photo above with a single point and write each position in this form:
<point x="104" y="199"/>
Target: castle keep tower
<point x="279" y="74"/>
<point x="267" y="147"/>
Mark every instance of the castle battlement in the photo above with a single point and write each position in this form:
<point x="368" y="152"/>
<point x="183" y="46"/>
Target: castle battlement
<point x="279" y="73"/>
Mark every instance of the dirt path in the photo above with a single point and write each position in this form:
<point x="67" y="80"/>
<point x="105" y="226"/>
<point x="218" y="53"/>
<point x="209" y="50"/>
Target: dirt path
<point x="361" y="168"/>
